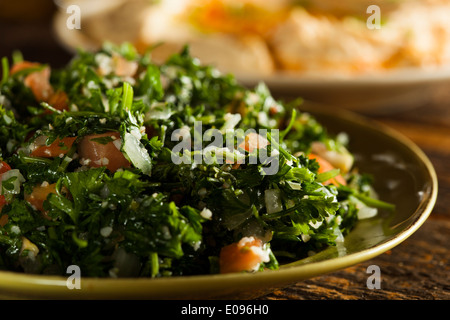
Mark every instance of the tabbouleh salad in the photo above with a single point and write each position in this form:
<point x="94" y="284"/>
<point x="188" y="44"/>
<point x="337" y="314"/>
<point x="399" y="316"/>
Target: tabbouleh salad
<point x="88" y="177"/>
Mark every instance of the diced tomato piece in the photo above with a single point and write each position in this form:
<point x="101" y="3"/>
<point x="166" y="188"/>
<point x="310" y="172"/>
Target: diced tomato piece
<point x="118" y="65"/>
<point x="2" y="202"/>
<point x="58" y="147"/>
<point x="325" y="166"/>
<point x="39" y="83"/>
<point x="4" y="167"/>
<point x="235" y="166"/>
<point x="245" y="255"/>
<point x="97" y="153"/>
<point x="254" y="141"/>
<point x="39" y="194"/>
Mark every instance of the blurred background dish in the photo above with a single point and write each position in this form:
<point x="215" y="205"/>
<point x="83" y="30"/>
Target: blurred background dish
<point x="415" y="269"/>
<point x="326" y="52"/>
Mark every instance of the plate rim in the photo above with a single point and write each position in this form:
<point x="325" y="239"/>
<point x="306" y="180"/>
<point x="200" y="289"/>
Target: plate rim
<point x="55" y="286"/>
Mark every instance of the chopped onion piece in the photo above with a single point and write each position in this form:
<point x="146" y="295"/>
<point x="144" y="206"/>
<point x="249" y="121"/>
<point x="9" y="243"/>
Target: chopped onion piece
<point x="137" y="153"/>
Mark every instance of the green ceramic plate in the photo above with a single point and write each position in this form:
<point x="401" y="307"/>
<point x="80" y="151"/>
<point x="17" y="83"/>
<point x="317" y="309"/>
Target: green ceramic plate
<point x="404" y="176"/>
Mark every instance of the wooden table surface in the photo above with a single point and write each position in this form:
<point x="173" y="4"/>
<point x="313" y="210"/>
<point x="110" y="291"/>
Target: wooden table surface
<point x="417" y="269"/>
